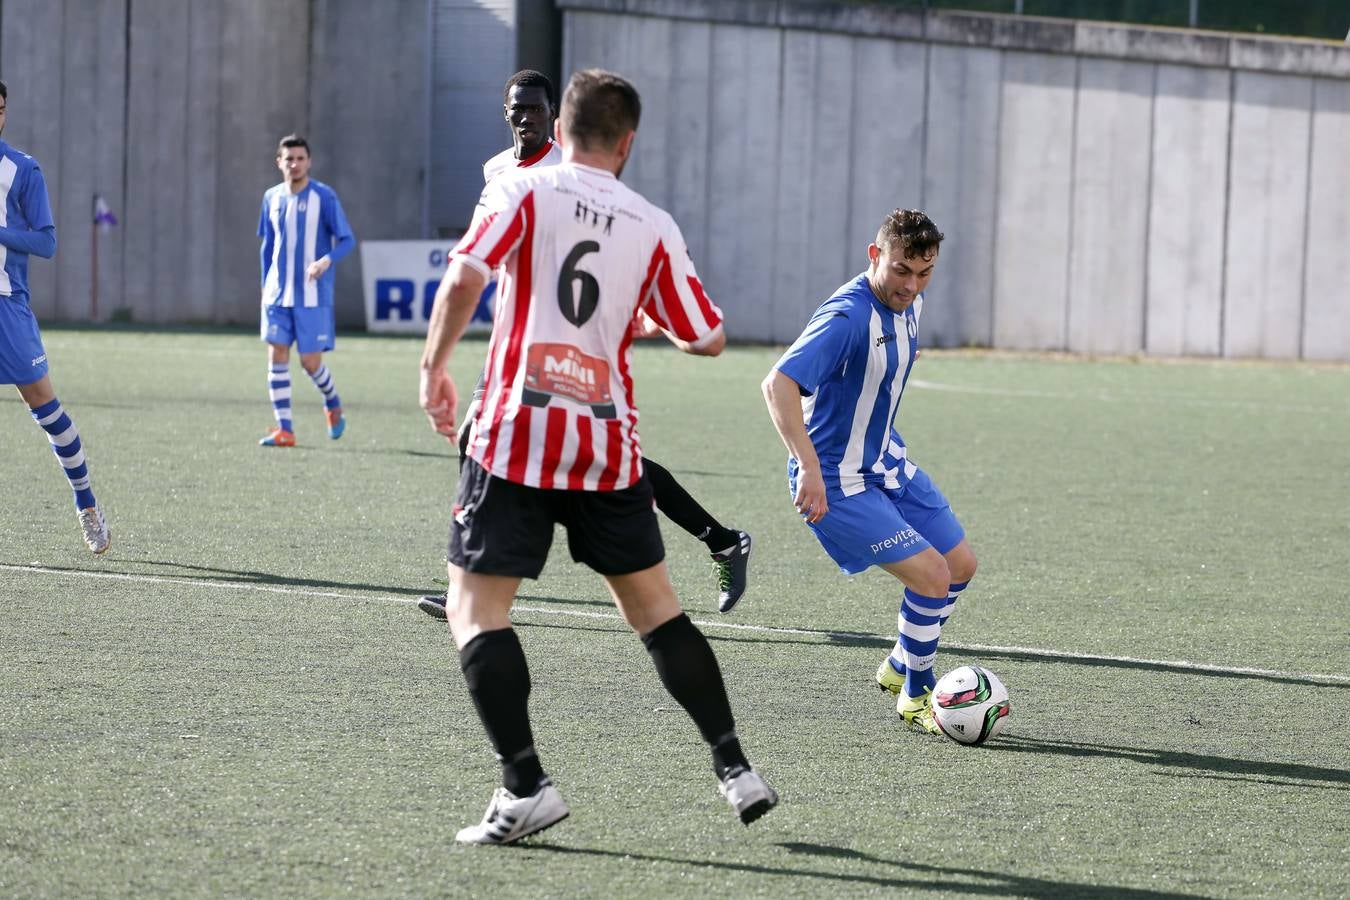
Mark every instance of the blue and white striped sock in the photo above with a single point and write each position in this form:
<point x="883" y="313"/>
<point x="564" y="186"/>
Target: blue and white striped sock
<point x="919" y="630"/>
<point x="65" y="441"/>
<point x="323" y="380"/>
<point x="897" y="657"/>
<point x="279" y="392"/>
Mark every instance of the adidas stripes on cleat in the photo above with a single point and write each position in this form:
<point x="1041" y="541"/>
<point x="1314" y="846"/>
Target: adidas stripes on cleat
<point x="731" y="565"/>
<point x="94" y="529"/>
<point x="510" y="818"/>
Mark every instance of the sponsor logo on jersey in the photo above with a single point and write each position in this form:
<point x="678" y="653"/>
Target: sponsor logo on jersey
<point x="885" y="339"/>
<point x="39" y="360"/>
<point x="561" y="370"/>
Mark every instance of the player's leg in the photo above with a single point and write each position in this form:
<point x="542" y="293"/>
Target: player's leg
<point x="865" y="530"/>
<point x="315" y="335"/>
<point x="923" y="505"/>
<point x="51" y="417"/>
<point x="434" y="604"/>
<point x="500" y="533"/>
<point x="729" y="547"/>
<point x="616" y="534"/>
<point x="278" y="330"/>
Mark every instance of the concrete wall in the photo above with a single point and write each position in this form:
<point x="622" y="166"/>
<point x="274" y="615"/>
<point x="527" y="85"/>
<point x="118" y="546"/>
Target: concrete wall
<point x="1104" y="188"/>
<point x="172" y="108"/>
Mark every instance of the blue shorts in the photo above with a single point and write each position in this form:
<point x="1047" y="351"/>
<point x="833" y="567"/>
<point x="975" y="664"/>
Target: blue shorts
<point x="886" y="525"/>
<point x="23" y="359"/>
<point x="310" y="328"/>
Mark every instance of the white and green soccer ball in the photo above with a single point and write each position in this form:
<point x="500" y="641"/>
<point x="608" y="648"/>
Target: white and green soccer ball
<point x="970" y="704"/>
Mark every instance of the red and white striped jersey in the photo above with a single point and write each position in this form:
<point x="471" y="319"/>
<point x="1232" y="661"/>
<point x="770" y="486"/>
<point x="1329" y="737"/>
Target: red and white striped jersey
<point x="549" y="155"/>
<point x="578" y="254"/>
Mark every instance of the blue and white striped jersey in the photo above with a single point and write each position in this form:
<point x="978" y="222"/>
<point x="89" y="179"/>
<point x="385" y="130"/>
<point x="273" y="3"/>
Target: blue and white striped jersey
<point x="26" y="224"/>
<point x="297" y="229"/>
<point x="852" y="362"/>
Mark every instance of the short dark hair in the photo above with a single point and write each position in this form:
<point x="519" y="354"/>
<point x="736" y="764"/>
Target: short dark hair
<point x="912" y="231"/>
<point x="599" y="108"/>
<point x="4" y="91"/>
<point x="530" y="78"/>
<point x="292" y="140"/>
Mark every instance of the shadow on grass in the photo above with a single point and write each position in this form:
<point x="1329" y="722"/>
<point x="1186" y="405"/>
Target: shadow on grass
<point x="190" y="572"/>
<point x="914" y="877"/>
<point x="1200" y="765"/>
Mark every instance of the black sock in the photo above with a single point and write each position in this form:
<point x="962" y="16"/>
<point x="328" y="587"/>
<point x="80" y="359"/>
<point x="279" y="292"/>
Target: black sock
<point x="677" y="505"/>
<point x="689" y="671"/>
<point x="499" y="682"/>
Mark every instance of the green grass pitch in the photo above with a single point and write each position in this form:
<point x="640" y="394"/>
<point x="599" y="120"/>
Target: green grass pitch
<point x="241" y="698"/>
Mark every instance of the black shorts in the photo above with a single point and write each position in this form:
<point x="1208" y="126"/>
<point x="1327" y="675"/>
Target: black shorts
<point x="503" y="528"/>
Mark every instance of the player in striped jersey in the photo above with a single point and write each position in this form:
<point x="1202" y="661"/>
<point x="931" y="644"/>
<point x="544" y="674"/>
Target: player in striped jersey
<point x="833" y="397"/>
<point x="556" y="441"/>
<point x="529" y="109"/>
<point x="26" y="228"/>
<point x="304" y="233"/>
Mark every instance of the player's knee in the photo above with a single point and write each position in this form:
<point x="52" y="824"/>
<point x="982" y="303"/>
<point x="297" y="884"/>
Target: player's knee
<point x="934" y="578"/>
<point x="962" y="565"/>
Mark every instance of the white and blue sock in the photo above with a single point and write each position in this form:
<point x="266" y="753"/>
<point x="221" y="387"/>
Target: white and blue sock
<point x="919" y="630"/>
<point x="279" y="392"/>
<point x="65" y="441"/>
<point x="323" y="380"/>
<point x="897" y="657"/>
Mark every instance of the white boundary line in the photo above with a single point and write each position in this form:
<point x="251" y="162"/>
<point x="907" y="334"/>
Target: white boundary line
<point x="704" y="623"/>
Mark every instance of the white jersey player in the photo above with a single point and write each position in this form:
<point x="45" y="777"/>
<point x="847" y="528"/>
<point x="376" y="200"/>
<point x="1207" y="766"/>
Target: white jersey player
<point x="556" y="442"/>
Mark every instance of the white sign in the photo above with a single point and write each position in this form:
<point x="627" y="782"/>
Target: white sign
<point x="400" y="280"/>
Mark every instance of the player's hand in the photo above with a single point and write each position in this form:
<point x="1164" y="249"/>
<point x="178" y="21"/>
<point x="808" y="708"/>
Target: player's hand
<point x="644" y="326"/>
<point x="438" y="398"/>
<point x="318" y="267"/>
<point x="810" y="496"/>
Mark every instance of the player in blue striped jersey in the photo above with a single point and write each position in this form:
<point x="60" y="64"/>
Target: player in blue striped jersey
<point x="833" y="397"/>
<point x="304" y="232"/>
<point x="26" y="227"/>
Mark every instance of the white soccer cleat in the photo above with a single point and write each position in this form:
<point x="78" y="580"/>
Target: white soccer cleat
<point x="748" y="794"/>
<point x="510" y="818"/>
<point x="95" y="529"/>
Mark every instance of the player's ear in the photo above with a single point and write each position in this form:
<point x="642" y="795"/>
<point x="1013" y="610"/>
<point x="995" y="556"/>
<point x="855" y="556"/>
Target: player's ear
<point x="873" y="251"/>
<point x="625" y="145"/>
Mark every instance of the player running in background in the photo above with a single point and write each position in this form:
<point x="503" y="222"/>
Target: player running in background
<point x="833" y="397"/>
<point x="304" y="232"/>
<point x="529" y="107"/>
<point x="26" y="227"/>
<point x="555" y="440"/>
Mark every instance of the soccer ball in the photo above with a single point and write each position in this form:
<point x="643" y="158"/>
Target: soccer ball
<point x="970" y="704"/>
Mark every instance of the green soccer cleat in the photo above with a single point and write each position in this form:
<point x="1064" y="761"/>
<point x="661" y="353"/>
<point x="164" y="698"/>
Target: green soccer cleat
<point x="888" y="679"/>
<point x="918" y="712"/>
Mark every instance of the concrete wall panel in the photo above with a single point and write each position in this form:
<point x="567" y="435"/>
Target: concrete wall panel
<point x="1187" y="205"/>
<point x="746" y="138"/>
<point x="265" y="65"/>
<point x="35" y="77"/>
<point x="811" y="224"/>
<point x="369" y="135"/>
<point x="960" y="190"/>
<point x="1112" y="149"/>
<point x="1326" y="303"/>
<point x="1268" y="194"/>
<point x="887" y="160"/>
<point x="1035" y="194"/>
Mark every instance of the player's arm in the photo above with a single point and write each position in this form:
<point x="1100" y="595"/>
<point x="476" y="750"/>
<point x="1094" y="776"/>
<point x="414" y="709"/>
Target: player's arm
<point x="39" y="238"/>
<point x="784" y="399"/>
<point x="674" y="299"/>
<point x="343" y="240"/>
<point x="265" y="249"/>
<point x="456" y="299"/>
